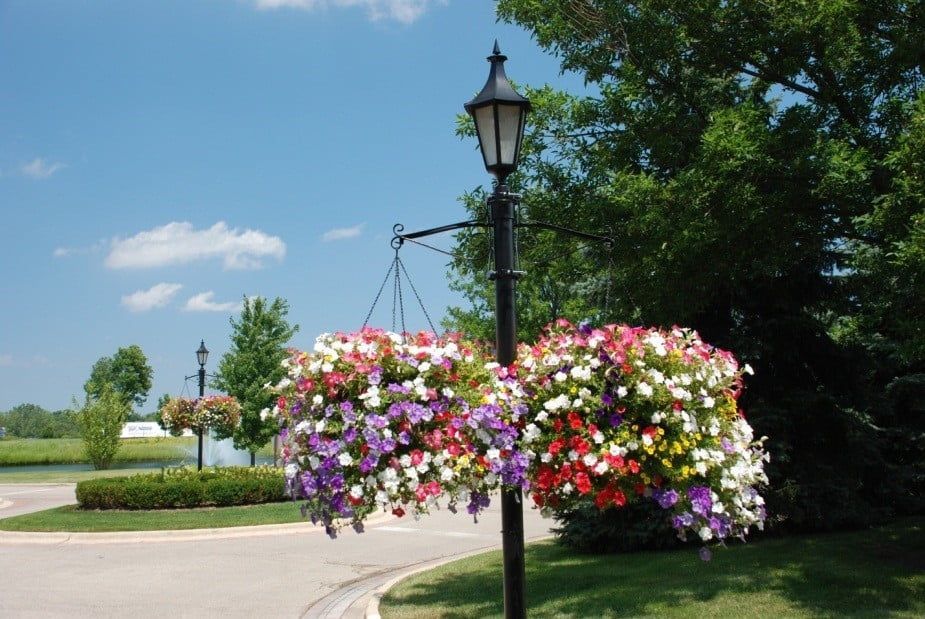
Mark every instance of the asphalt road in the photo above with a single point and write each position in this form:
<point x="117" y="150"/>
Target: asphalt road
<point x="16" y="499"/>
<point x="280" y="575"/>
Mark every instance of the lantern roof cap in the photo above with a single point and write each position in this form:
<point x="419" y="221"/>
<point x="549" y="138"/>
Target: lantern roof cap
<point x="497" y="88"/>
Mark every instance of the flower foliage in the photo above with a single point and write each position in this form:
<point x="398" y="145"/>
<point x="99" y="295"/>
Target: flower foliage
<point x="378" y="421"/>
<point x="624" y="414"/>
<point x="375" y="420"/>
<point x="219" y="413"/>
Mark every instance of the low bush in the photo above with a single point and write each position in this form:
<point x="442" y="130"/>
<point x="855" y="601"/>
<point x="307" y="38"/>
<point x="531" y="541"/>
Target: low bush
<point x="185" y="487"/>
<point x="637" y="526"/>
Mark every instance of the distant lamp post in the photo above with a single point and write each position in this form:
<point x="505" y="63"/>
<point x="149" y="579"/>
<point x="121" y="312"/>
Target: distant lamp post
<point x="202" y="355"/>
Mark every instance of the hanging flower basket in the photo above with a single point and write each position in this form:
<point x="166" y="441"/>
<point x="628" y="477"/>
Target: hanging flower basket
<point x="373" y="420"/>
<point x="624" y="414"/>
<point x="218" y="413"/>
<point x="177" y="415"/>
<point x="379" y="421"/>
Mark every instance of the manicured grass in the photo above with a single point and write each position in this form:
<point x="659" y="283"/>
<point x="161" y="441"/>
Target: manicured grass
<point x="69" y="518"/>
<point x="876" y="573"/>
<point x="25" y="451"/>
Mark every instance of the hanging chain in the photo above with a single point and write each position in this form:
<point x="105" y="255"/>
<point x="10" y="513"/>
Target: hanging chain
<point x="417" y="296"/>
<point x="378" y="294"/>
<point x="610" y="274"/>
<point x="401" y="299"/>
<point x="395" y="281"/>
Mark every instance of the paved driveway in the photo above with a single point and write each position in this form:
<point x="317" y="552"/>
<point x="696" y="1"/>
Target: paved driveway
<point x="16" y="499"/>
<point x="270" y="576"/>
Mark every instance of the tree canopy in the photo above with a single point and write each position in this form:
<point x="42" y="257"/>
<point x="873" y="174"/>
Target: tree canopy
<point x="127" y="371"/>
<point x="258" y="347"/>
<point x="760" y="168"/>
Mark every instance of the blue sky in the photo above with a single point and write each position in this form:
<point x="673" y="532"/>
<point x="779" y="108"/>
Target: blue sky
<point x="160" y="160"/>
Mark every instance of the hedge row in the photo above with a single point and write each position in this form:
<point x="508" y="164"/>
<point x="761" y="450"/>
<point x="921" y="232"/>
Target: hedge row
<point x="178" y="488"/>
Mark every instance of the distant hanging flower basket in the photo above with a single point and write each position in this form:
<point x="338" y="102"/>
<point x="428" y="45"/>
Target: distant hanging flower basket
<point x="219" y="413"/>
<point x="177" y="415"/>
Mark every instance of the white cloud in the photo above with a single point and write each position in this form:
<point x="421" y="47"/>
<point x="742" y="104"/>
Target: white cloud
<point x="64" y="252"/>
<point x="203" y="302"/>
<point x="339" y="234"/>
<point x="38" y="168"/>
<point x="6" y="360"/>
<point x="158" y="295"/>
<point x="180" y="243"/>
<point x="404" y="11"/>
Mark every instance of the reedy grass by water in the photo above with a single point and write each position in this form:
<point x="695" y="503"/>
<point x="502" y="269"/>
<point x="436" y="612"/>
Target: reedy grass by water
<point x="70" y="518"/>
<point x="32" y="451"/>
<point x="10" y="475"/>
<point x="876" y="573"/>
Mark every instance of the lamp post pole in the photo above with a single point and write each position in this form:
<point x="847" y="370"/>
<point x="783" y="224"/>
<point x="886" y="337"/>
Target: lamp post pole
<point x="202" y="355"/>
<point x="499" y="114"/>
<point x="502" y="204"/>
<point x="202" y="392"/>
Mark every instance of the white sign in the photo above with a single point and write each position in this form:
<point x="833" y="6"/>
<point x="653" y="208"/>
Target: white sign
<point x="146" y="429"/>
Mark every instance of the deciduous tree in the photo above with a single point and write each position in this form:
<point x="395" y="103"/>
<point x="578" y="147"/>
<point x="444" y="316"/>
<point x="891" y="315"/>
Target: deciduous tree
<point x="258" y="346"/>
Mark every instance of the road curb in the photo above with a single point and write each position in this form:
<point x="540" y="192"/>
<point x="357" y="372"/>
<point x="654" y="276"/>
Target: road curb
<point x="371" y="610"/>
<point x="183" y="535"/>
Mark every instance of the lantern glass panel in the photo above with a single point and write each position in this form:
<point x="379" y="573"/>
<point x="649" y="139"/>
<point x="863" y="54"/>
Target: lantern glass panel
<point x="202" y="355"/>
<point x="509" y="127"/>
<point x="485" y="124"/>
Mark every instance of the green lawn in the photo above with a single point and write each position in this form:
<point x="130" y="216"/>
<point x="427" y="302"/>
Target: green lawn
<point x="25" y="451"/>
<point x="69" y="518"/>
<point x="876" y="573"/>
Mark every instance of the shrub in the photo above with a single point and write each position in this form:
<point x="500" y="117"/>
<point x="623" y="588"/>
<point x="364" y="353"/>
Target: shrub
<point x="636" y="526"/>
<point x="185" y="487"/>
<point x="100" y="423"/>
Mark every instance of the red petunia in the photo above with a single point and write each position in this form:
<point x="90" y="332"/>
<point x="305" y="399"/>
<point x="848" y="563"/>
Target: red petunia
<point x="619" y="498"/>
<point x="583" y="483"/>
<point x="545" y="478"/>
<point x="556" y="446"/>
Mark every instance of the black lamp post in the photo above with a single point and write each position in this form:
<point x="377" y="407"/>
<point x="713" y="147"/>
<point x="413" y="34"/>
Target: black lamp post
<point x="499" y="114"/>
<point x="202" y="355"/>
